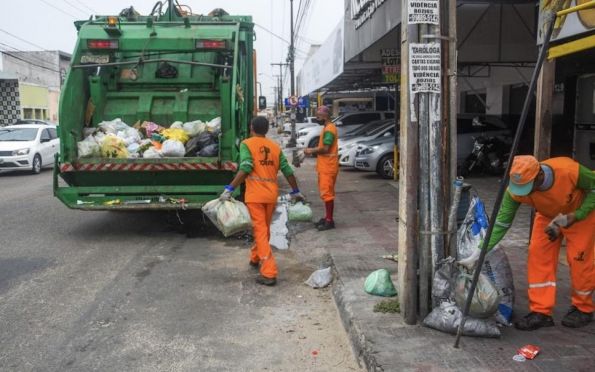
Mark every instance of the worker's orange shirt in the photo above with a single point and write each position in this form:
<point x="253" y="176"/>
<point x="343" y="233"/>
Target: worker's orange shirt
<point x="261" y="184"/>
<point x="329" y="162"/>
<point x="563" y="196"/>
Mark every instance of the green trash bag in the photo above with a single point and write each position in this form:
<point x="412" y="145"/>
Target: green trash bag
<point x="299" y="212"/>
<point x="379" y="283"/>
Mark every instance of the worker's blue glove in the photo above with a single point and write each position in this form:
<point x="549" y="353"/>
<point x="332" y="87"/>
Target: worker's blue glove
<point x="297" y="196"/>
<point x="226" y="194"/>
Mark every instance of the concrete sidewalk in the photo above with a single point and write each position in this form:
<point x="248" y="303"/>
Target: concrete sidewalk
<point x="366" y="211"/>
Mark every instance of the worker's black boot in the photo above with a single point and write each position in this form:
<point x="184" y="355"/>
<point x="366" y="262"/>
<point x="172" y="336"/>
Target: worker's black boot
<point x="254" y="265"/>
<point x="326" y="225"/>
<point x="533" y="321"/>
<point x="266" y="281"/>
<point x="575" y="318"/>
<point x="320" y="222"/>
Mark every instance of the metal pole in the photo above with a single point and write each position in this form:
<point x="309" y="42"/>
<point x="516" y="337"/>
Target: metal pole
<point x="504" y="182"/>
<point x="293" y="140"/>
<point x="425" y="255"/>
<point x="452" y="100"/>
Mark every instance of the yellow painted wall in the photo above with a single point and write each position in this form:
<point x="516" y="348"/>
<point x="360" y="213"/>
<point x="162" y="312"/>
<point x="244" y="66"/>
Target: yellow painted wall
<point x="33" y="96"/>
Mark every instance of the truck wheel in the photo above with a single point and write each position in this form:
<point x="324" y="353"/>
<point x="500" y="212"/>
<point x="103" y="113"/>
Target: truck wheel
<point x="36" y="166"/>
<point x="386" y="167"/>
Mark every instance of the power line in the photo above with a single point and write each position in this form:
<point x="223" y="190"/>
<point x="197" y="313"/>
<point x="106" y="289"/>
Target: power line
<point x="21" y="39"/>
<point x="29" y="62"/>
<point x="85" y="5"/>
<point x="59" y="9"/>
<point x="76" y="7"/>
<point x="278" y="37"/>
<point x="29" y="56"/>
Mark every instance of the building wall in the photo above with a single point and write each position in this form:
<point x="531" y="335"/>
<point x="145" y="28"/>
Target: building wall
<point x="34" y="101"/>
<point x="10" y="106"/>
<point x="40" y="68"/>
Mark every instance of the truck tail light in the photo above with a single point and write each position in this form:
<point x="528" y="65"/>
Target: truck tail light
<point x="102" y="44"/>
<point x="210" y="44"/>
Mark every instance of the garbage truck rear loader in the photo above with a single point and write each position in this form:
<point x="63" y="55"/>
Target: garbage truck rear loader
<point x="169" y="66"/>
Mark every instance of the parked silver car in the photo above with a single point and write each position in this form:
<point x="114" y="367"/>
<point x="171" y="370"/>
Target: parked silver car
<point x="348" y="144"/>
<point x="377" y="156"/>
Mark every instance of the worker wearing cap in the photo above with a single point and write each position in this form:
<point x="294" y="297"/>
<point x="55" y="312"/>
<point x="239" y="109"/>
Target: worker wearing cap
<point x="563" y="194"/>
<point x="327" y="166"/>
<point x="260" y="161"/>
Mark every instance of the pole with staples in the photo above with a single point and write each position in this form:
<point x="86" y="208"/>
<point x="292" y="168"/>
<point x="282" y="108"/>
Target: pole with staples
<point x="504" y="182"/>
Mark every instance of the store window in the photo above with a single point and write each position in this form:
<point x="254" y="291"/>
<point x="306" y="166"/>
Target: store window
<point x="473" y="102"/>
<point x="28" y="113"/>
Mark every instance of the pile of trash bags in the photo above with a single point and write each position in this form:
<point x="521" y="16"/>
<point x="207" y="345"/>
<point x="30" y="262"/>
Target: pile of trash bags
<point x="116" y="139"/>
<point x="492" y="303"/>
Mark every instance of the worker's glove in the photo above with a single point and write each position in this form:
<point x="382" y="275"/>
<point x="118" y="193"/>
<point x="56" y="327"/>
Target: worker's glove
<point x="553" y="229"/>
<point x="471" y="261"/>
<point x="226" y="194"/>
<point x="297" y="196"/>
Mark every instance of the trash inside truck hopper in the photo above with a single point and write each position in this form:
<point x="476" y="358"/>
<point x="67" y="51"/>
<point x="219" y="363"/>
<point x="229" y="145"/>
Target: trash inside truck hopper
<point x="167" y="67"/>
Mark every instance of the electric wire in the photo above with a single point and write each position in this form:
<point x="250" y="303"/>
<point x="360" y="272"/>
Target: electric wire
<point x="59" y="9"/>
<point x="76" y="7"/>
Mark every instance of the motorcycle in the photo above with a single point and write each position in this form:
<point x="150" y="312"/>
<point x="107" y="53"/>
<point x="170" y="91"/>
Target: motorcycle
<point x="489" y="156"/>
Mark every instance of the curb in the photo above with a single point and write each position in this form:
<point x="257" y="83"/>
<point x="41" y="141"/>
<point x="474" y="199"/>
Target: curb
<point x="359" y="344"/>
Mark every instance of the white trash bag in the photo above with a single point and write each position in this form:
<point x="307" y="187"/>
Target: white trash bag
<point x="194" y="128"/>
<point x="214" y="125"/>
<point x="320" y="278"/>
<point x="485" y="299"/>
<point x="173" y="149"/>
<point x="152" y="153"/>
<point x="230" y="217"/>
<point x="300" y="212"/>
<point x="88" y="148"/>
<point x="113" y="126"/>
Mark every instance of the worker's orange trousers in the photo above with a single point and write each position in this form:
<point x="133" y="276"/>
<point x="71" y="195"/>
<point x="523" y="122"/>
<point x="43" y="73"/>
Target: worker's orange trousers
<point x="326" y="186"/>
<point x="543" y="262"/>
<point x="261" y="215"/>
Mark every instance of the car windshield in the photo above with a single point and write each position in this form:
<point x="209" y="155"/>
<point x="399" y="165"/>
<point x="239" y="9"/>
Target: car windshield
<point x="366" y="129"/>
<point x="376" y="130"/>
<point x="18" y="134"/>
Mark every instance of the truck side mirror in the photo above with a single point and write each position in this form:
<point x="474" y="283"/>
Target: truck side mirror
<point x="262" y="102"/>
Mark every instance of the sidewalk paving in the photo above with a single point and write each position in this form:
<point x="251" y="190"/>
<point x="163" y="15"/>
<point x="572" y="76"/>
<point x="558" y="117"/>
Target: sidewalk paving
<point x="366" y="211"/>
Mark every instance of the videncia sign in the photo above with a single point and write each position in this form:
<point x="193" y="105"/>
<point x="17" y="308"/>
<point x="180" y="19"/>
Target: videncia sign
<point x="423" y="11"/>
<point x="362" y="10"/>
<point x="424" y="68"/>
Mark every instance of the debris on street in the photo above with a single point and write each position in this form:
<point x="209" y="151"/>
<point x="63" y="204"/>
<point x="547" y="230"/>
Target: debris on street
<point x="388" y="307"/>
<point x="379" y="283"/>
<point x="320" y="278"/>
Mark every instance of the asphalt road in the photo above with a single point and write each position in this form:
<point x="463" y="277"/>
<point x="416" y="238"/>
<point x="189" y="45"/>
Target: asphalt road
<point x="112" y="291"/>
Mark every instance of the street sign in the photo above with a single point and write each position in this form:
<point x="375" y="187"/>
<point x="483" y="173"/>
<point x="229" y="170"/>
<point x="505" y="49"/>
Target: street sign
<point x="293" y="101"/>
<point x="302" y="102"/>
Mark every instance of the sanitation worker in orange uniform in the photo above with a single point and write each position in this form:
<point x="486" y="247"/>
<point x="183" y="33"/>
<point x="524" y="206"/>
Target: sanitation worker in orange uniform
<point x="563" y="194"/>
<point x="260" y="161"/>
<point x="327" y="166"/>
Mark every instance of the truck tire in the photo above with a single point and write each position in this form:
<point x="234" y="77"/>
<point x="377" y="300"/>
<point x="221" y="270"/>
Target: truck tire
<point x="386" y="166"/>
<point x="36" y="166"/>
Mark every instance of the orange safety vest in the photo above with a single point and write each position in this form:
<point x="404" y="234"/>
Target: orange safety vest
<point x="563" y="196"/>
<point x="261" y="184"/>
<point x="328" y="163"/>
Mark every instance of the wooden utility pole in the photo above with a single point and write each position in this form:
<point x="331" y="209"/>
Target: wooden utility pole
<point x="543" y="117"/>
<point x="408" y="183"/>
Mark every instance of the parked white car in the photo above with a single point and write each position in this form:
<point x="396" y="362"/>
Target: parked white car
<point x="28" y="147"/>
<point x="348" y="145"/>
<point x="310" y="121"/>
<point x="309" y="137"/>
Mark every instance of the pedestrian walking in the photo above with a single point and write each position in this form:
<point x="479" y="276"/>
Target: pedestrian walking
<point x="260" y="161"/>
<point x="327" y="166"/>
<point x="563" y="194"/>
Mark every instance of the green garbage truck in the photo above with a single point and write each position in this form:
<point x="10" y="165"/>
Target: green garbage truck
<point x="150" y="71"/>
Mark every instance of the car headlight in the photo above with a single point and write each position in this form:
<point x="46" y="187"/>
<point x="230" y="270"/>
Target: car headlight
<point x="349" y="146"/>
<point x="301" y="134"/>
<point x="20" y="152"/>
<point x="368" y="150"/>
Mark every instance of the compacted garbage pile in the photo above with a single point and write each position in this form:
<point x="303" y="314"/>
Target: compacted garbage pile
<point x="116" y="139"/>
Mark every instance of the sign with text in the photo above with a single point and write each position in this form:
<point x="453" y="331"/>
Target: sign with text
<point x="391" y="65"/>
<point x="423" y="11"/>
<point x="424" y="68"/>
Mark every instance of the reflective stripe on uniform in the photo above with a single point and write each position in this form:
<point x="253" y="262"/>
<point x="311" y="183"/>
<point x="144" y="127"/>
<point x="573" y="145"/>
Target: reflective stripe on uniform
<point x="583" y="293"/>
<point x="542" y="285"/>
<point x="262" y="179"/>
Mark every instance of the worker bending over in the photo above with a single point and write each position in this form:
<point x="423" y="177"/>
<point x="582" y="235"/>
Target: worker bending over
<point x="327" y="166"/>
<point x="260" y="161"/>
<point x="563" y="194"/>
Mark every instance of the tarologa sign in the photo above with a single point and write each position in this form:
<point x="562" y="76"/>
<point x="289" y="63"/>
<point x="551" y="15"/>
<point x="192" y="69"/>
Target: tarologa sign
<point x="324" y="65"/>
<point x="424" y="68"/>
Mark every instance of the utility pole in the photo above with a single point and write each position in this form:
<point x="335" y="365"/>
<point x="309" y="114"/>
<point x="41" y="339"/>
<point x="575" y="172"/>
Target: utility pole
<point x="293" y="140"/>
<point x="281" y="65"/>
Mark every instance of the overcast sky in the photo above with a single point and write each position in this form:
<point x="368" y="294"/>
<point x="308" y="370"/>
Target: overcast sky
<point x="49" y="23"/>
